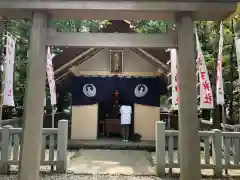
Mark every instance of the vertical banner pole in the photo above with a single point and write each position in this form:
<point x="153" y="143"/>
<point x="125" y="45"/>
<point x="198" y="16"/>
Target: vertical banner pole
<point x="223" y="117"/>
<point x="237" y="46"/>
<point x="53" y="114"/>
<point x="231" y="68"/>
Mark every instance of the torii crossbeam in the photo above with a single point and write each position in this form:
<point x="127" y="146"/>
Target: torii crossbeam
<point x="134" y="10"/>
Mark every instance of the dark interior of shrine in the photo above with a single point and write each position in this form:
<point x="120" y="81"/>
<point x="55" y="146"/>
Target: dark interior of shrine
<point x="109" y="117"/>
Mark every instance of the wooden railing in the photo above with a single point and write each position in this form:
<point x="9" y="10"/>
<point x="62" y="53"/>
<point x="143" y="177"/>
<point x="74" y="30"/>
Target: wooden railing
<point x="52" y="139"/>
<point x="220" y="150"/>
<point x="15" y="122"/>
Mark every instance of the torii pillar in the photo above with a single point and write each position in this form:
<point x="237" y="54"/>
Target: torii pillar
<point x="34" y="100"/>
<point x="189" y="140"/>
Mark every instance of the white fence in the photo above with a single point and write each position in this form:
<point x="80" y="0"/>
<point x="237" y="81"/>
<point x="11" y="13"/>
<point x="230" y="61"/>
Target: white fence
<point x="52" y="138"/>
<point x="224" y="147"/>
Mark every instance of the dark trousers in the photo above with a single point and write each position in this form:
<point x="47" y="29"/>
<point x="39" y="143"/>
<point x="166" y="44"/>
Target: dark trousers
<point x="125" y="131"/>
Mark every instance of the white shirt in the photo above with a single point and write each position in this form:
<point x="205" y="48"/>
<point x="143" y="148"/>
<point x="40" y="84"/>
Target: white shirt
<point x="126" y="112"/>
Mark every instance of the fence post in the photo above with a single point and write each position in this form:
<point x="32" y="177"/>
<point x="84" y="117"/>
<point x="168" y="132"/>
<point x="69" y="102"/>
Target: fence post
<point x="5" y="150"/>
<point x="217" y="152"/>
<point x="160" y="148"/>
<point x="62" y="141"/>
<point x="236" y="145"/>
<point x="10" y="142"/>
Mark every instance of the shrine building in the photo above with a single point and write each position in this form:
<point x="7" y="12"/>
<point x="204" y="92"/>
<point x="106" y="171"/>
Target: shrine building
<point x="103" y="79"/>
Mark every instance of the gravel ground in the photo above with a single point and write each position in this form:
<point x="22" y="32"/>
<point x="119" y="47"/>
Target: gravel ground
<point x="89" y="177"/>
<point x="232" y="173"/>
<point x="46" y="174"/>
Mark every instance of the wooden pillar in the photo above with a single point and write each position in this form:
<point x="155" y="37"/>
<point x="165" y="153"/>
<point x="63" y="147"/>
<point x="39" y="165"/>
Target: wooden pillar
<point x="34" y="100"/>
<point x="188" y="122"/>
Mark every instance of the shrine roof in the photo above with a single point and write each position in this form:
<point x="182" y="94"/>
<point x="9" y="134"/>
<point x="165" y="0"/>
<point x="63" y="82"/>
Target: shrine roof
<point x="63" y="61"/>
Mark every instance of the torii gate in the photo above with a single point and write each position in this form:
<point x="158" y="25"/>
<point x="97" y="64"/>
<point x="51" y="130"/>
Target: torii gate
<point x="40" y="11"/>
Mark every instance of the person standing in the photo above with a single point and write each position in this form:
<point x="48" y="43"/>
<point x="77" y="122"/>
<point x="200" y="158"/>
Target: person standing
<point x="126" y="112"/>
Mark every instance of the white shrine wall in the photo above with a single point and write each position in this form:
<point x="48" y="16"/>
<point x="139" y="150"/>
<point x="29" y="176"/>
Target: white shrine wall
<point x="85" y="118"/>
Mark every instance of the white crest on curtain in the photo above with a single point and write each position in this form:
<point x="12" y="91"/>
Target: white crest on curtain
<point x="174" y="79"/>
<point x="219" y="86"/>
<point x="206" y="96"/>
<point x="141" y="90"/>
<point x="89" y="90"/>
<point x="8" y="98"/>
<point x="50" y="75"/>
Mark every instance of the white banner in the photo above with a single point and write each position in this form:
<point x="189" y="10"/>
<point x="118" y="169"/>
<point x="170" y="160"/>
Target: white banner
<point x="50" y="75"/>
<point x="8" y="99"/>
<point x="219" y="86"/>
<point x="174" y="79"/>
<point x="237" y="45"/>
<point x="206" y="97"/>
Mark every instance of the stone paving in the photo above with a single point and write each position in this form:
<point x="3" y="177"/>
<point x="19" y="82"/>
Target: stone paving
<point x="124" y="162"/>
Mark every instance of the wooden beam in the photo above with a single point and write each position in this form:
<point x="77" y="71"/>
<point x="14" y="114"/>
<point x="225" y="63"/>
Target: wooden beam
<point x="112" y="40"/>
<point x="76" y="72"/>
<point x="134" y="10"/>
<point x="59" y="79"/>
<point x="107" y="73"/>
<point x="158" y="61"/>
<point x="147" y="59"/>
<point x="69" y="63"/>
